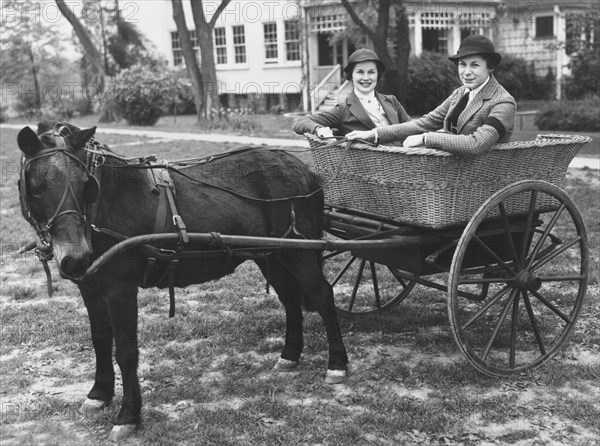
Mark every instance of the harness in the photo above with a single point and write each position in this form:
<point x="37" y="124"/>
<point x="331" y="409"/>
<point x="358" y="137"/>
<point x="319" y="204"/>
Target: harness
<point x="161" y="185"/>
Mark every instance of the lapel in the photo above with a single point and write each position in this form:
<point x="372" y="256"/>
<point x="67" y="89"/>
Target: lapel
<point x="390" y="112"/>
<point x="358" y="111"/>
<point x="475" y="105"/>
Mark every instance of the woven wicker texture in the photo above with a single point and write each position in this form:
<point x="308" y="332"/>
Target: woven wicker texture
<point x="432" y="188"/>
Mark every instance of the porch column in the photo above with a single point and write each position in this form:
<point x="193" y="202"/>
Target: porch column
<point x="418" y="34"/>
<point x="561" y="34"/>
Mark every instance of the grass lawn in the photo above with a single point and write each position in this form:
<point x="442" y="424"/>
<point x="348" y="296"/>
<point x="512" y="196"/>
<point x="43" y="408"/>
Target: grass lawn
<point x="206" y="375"/>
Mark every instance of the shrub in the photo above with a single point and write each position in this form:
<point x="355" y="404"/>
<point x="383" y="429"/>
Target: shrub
<point x="584" y="80"/>
<point x="431" y="79"/>
<point x="141" y="94"/>
<point x="241" y="120"/>
<point x="571" y="116"/>
<point x="518" y="77"/>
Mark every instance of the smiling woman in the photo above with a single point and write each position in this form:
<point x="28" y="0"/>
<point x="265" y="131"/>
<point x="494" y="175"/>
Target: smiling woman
<point x="364" y="109"/>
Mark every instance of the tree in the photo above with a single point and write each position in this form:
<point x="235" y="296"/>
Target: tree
<point x="204" y="77"/>
<point x="387" y="28"/>
<point x="109" y="45"/>
<point x="28" y="45"/>
<point x="583" y="44"/>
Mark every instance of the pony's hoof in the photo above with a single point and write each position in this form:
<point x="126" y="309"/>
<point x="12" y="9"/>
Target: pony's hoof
<point x="335" y="376"/>
<point x="285" y="365"/>
<point x="92" y="407"/>
<point x="120" y="432"/>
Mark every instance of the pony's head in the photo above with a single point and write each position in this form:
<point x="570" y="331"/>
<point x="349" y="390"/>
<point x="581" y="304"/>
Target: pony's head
<point x="55" y="187"/>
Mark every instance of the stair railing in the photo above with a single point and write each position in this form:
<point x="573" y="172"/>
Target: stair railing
<point x="325" y="87"/>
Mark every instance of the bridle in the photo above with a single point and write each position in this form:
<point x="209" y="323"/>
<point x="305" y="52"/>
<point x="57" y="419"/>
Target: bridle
<point x="43" y="228"/>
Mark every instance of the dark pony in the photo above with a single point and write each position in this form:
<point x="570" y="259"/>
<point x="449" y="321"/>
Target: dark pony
<point x="82" y="199"/>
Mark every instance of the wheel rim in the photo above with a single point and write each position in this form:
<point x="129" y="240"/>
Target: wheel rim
<point x="536" y="282"/>
<point x="361" y="286"/>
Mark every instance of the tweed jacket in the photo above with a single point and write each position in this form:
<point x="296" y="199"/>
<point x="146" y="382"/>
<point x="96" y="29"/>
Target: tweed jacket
<point x="350" y="115"/>
<point x="488" y="119"/>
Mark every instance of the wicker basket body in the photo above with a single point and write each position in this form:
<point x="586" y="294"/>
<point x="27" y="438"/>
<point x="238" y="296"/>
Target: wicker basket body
<point x="432" y="188"/>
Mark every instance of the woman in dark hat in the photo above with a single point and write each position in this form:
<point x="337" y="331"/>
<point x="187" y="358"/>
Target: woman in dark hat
<point x="364" y="108"/>
<point x="472" y="119"/>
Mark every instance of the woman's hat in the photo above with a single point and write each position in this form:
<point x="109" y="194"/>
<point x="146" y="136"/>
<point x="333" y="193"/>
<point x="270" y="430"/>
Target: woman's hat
<point x="477" y="44"/>
<point x="363" y="55"/>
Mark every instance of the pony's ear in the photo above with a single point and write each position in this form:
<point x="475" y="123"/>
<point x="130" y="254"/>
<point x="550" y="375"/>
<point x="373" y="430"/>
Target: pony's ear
<point x="44" y="126"/>
<point x="28" y="142"/>
<point x="78" y="139"/>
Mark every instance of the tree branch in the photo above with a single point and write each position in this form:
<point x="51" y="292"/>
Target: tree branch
<point x="218" y="12"/>
<point x="356" y="19"/>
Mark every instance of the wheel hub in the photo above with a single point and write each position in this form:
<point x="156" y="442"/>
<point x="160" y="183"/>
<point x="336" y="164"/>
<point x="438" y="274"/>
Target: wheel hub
<point x="528" y="282"/>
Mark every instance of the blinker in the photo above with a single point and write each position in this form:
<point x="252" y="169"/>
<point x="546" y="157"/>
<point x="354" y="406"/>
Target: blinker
<point x="91" y="191"/>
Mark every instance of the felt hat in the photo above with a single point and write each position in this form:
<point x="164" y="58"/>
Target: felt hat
<point x="363" y="55"/>
<point x="477" y="44"/>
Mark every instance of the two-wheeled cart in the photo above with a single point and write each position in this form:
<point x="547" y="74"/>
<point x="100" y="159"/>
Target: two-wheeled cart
<point x="496" y="232"/>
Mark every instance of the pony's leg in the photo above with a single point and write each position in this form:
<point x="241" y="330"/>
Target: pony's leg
<point x="290" y="295"/>
<point x="102" y="337"/>
<point x="122" y="306"/>
<point x="318" y="293"/>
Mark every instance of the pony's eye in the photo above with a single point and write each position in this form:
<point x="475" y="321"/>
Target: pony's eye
<point x="36" y="193"/>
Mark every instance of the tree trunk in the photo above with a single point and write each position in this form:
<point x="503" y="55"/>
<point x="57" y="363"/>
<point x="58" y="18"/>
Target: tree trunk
<point x="190" y="58"/>
<point x="403" y="51"/>
<point x="92" y="56"/>
<point x="204" y="31"/>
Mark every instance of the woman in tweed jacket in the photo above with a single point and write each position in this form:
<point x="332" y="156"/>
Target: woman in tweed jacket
<point x="363" y="109"/>
<point x="471" y="120"/>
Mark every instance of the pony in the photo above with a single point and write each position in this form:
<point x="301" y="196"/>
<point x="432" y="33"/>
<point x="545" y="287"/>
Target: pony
<point x="82" y="198"/>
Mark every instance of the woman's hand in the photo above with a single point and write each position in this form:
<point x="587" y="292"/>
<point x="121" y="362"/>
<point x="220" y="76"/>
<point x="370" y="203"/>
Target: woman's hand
<point x="366" y="135"/>
<point x="414" y="141"/>
<point x="324" y="132"/>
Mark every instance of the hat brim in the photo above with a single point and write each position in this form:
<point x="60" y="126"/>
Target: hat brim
<point x="496" y="57"/>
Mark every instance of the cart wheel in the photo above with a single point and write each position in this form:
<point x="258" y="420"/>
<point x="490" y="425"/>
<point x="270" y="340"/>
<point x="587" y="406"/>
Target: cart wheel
<point x="361" y="286"/>
<point x="539" y="280"/>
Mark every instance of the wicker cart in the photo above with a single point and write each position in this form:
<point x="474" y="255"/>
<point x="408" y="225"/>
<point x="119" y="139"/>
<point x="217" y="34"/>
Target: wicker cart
<point x="496" y="232"/>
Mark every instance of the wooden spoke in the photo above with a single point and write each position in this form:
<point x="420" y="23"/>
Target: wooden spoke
<point x="508" y="232"/>
<point x="534" y="325"/>
<point x="486" y="307"/>
<point x="343" y="271"/>
<point x="554" y="254"/>
<point x="528" y="224"/>
<point x="513" y="330"/>
<point x="501" y="262"/>
<point x="544" y="236"/>
<point x="499" y="323"/>
<point x="550" y="305"/>
<point x="359" y="275"/>
<point x="375" y="285"/>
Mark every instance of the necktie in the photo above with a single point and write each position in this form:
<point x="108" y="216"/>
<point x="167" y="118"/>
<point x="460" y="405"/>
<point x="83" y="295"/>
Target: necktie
<point x="453" y="118"/>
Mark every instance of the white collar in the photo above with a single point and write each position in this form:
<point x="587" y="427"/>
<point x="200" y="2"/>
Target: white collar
<point x="472" y="93"/>
<point x="363" y="97"/>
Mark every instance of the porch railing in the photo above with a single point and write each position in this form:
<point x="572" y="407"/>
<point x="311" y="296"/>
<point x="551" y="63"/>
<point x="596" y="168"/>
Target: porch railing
<point x="327" y="85"/>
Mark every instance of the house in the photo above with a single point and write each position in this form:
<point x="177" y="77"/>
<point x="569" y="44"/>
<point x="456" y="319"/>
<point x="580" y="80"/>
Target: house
<point x="280" y="54"/>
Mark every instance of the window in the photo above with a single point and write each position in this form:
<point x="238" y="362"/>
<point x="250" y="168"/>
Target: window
<point x="270" y="30"/>
<point x="292" y="40"/>
<point x="435" y="40"/>
<point x="239" y="43"/>
<point x="178" y="51"/>
<point x="220" y="45"/>
<point x="544" y="26"/>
